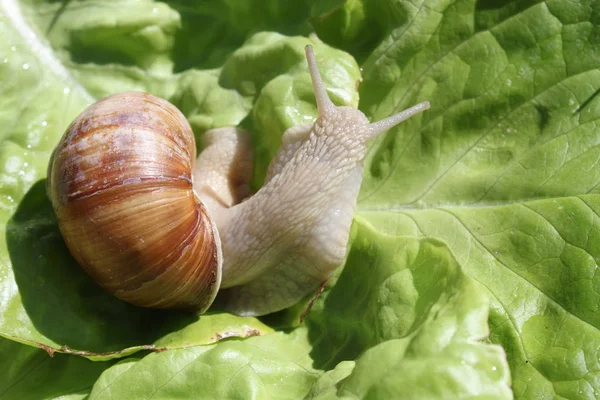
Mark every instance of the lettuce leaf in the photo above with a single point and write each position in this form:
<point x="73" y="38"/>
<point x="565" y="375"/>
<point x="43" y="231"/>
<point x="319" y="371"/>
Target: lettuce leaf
<point x="476" y="218"/>
<point x="28" y="373"/>
<point x="413" y="327"/>
<point x="502" y="170"/>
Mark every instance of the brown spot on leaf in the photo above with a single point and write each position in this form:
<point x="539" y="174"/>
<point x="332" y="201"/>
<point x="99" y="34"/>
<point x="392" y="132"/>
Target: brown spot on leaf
<point x="357" y="84"/>
<point x="67" y="350"/>
<point x="47" y="349"/>
<point x="248" y="332"/>
<point x="252" y="332"/>
<point x="314" y="298"/>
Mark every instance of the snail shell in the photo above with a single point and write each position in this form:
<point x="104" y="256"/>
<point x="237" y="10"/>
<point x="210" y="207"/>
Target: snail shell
<point x="120" y="183"/>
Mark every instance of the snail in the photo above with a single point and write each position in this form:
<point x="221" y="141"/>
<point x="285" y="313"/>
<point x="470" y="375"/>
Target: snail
<point x="158" y="228"/>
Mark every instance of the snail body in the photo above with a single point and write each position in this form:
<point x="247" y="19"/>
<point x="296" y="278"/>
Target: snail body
<point x="158" y="228"/>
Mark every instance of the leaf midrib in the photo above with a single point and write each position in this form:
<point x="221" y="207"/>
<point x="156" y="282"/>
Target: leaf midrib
<point x="402" y="208"/>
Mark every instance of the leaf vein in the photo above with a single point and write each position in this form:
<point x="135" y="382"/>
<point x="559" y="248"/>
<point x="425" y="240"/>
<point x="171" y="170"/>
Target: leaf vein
<point x="554" y="301"/>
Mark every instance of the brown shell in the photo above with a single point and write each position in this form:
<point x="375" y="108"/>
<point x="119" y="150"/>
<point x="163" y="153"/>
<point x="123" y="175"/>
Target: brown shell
<point x="120" y="182"/>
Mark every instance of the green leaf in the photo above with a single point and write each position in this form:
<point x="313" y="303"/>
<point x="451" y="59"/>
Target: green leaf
<point x="502" y="169"/>
<point x="139" y="33"/>
<point x="356" y="26"/>
<point x="459" y="371"/>
<point x="413" y="325"/>
<point x="29" y="373"/>
<point x="497" y="183"/>
<point x="275" y="366"/>
<point x="225" y="26"/>
<point x="326" y="385"/>
<point x="524" y="254"/>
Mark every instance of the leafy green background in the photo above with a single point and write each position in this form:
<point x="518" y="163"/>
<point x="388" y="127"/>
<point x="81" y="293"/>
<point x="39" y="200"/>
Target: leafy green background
<point x="472" y="268"/>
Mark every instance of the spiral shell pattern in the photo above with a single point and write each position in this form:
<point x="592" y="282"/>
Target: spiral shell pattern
<point x="120" y="183"/>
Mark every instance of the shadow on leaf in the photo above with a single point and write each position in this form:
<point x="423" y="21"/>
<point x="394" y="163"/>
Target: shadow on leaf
<point x="63" y="303"/>
<point x="395" y="287"/>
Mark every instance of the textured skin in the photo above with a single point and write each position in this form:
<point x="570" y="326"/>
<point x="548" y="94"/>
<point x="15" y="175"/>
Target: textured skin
<point x="223" y="173"/>
<point x="282" y="243"/>
<point x="287" y="239"/>
<point x="291" y="141"/>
